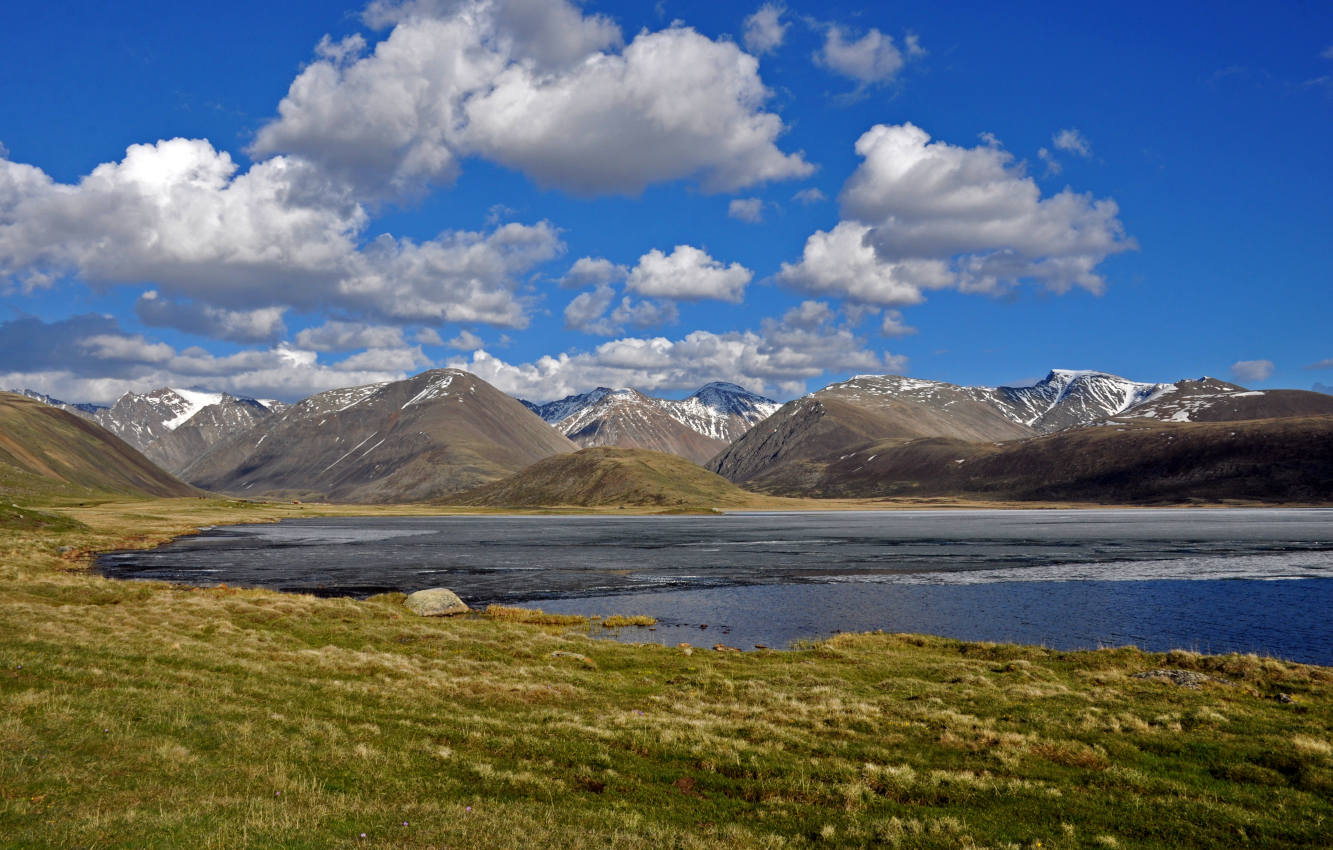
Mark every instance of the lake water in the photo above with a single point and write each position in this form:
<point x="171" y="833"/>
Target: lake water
<point x="1243" y="580"/>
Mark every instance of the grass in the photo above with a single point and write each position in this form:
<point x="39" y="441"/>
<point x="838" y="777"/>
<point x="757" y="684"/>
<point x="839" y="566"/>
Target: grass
<point x="146" y="715"/>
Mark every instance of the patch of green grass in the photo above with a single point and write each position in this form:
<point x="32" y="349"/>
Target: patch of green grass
<point x="138" y="714"/>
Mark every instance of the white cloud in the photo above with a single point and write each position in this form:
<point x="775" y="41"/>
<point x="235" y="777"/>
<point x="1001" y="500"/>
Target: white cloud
<point x="973" y="208"/>
<point x="587" y="309"/>
<point x="764" y="30"/>
<point x="348" y="336"/>
<point x="893" y="324"/>
<point x="746" y="209"/>
<point x="1253" y="370"/>
<point x="1072" y="141"/>
<point x="779" y="358"/>
<point x="538" y="87"/>
<point x="688" y="273"/>
<point x="592" y="271"/>
<point x="261" y="325"/>
<point x="281" y="234"/>
<point x="872" y="58"/>
<point x="809" y="196"/>
<point x="587" y="312"/>
<point x="429" y="336"/>
<point x="843" y="262"/>
<point x="89" y="358"/>
<point x="342" y="51"/>
<point x="1053" y="166"/>
<point x="464" y="341"/>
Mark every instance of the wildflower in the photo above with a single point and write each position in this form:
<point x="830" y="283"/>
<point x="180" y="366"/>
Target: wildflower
<point x="469" y="808"/>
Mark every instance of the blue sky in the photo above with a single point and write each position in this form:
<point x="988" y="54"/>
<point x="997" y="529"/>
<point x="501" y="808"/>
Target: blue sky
<point x="275" y="199"/>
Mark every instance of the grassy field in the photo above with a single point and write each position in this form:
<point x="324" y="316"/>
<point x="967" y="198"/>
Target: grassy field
<point x="146" y="715"/>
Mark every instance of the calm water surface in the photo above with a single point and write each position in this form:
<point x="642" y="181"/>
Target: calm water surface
<point x="1211" y="580"/>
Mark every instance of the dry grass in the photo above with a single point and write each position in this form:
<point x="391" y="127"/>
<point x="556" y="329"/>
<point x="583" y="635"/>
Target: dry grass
<point x="534" y="616"/>
<point x="146" y="715"/>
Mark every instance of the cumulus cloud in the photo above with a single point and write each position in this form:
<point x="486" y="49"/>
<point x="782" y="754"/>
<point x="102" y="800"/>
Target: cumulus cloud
<point x="873" y="58"/>
<point x="1252" y="370"/>
<point x="1053" y="166"/>
<point x="587" y="312"/>
<point x="281" y="234"/>
<point x="764" y="30"/>
<point x="922" y="215"/>
<point x="893" y="325"/>
<point x="348" y="336"/>
<point x="779" y="358"/>
<point x="464" y="341"/>
<point x="261" y="325"/>
<point x="1072" y="141"/>
<point x="537" y="86"/>
<point x="593" y="271"/>
<point x="746" y="209"/>
<point x="90" y="358"/>
<point x="688" y="273"/>
<point x="843" y="262"/>
<point x="809" y="196"/>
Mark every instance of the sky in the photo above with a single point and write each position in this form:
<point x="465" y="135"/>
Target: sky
<point x="277" y="199"/>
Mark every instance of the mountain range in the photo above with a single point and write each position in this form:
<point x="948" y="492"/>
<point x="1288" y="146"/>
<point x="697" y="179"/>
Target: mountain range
<point x="697" y="427"/>
<point x="1072" y="435"/>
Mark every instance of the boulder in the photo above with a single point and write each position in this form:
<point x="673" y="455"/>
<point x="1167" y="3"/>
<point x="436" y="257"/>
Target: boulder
<point x="435" y="602"/>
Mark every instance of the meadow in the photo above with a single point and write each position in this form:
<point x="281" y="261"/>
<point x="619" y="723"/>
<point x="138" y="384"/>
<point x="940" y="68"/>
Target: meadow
<point x="139" y="714"/>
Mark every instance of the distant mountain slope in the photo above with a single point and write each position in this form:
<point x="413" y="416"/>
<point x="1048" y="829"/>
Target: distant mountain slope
<point x="205" y="428"/>
<point x="863" y="409"/>
<point x="48" y="452"/>
<point x="695" y="428"/>
<point x="435" y="433"/>
<point x="1211" y="400"/>
<point x="1145" y="462"/>
<point x="607" y="475"/>
<point x="871" y="408"/>
<point x="84" y="409"/>
<point x="630" y="419"/>
<point x="1067" y="398"/>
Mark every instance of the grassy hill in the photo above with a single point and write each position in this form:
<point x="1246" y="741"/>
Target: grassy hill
<point x="46" y="453"/>
<point x="607" y="475"/>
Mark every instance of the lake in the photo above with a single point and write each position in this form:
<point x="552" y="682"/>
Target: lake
<point x="1248" y="580"/>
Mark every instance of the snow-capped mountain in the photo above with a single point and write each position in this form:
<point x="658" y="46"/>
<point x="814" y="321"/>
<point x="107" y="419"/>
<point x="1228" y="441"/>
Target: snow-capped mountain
<point x="871" y="408"/>
<point x="1067" y="398"/>
<point x="696" y="427"/>
<point x="435" y="433"/>
<point x="721" y="410"/>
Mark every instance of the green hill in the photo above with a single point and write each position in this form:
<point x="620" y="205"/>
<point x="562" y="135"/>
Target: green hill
<point x="609" y="476"/>
<point x="46" y="453"/>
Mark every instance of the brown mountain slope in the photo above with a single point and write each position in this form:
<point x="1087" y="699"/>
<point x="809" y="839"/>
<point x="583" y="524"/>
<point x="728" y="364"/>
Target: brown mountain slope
<point x="629" y="419"/>
<point x="1275" y="460"/>
<point x="46" y="452"/>
<point x="608" y="476"/>
<point x="421" y="438"/>
<point x="858" y="411"/>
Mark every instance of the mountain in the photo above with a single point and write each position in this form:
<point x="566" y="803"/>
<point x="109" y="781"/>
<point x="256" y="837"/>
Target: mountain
<point x="695" y="428"/>
<point x="46" y="452"/>
<point x="79" y="409"/>
<point x="205" y="428"/>
<point x="871" y="408"/>
<point x="1143" y="462"/>
<point x="860" y="410"/>
<point x="607" y="475"/>
<point x="1211" y="400"/>
<point x="433" y="434"/>
<point x="1066" y="398"/>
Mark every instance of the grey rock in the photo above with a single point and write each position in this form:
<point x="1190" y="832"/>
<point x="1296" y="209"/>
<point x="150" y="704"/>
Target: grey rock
<point x="435" y="602"/>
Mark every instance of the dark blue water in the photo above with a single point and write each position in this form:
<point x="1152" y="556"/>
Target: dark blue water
<point x="1208" y="580"/>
